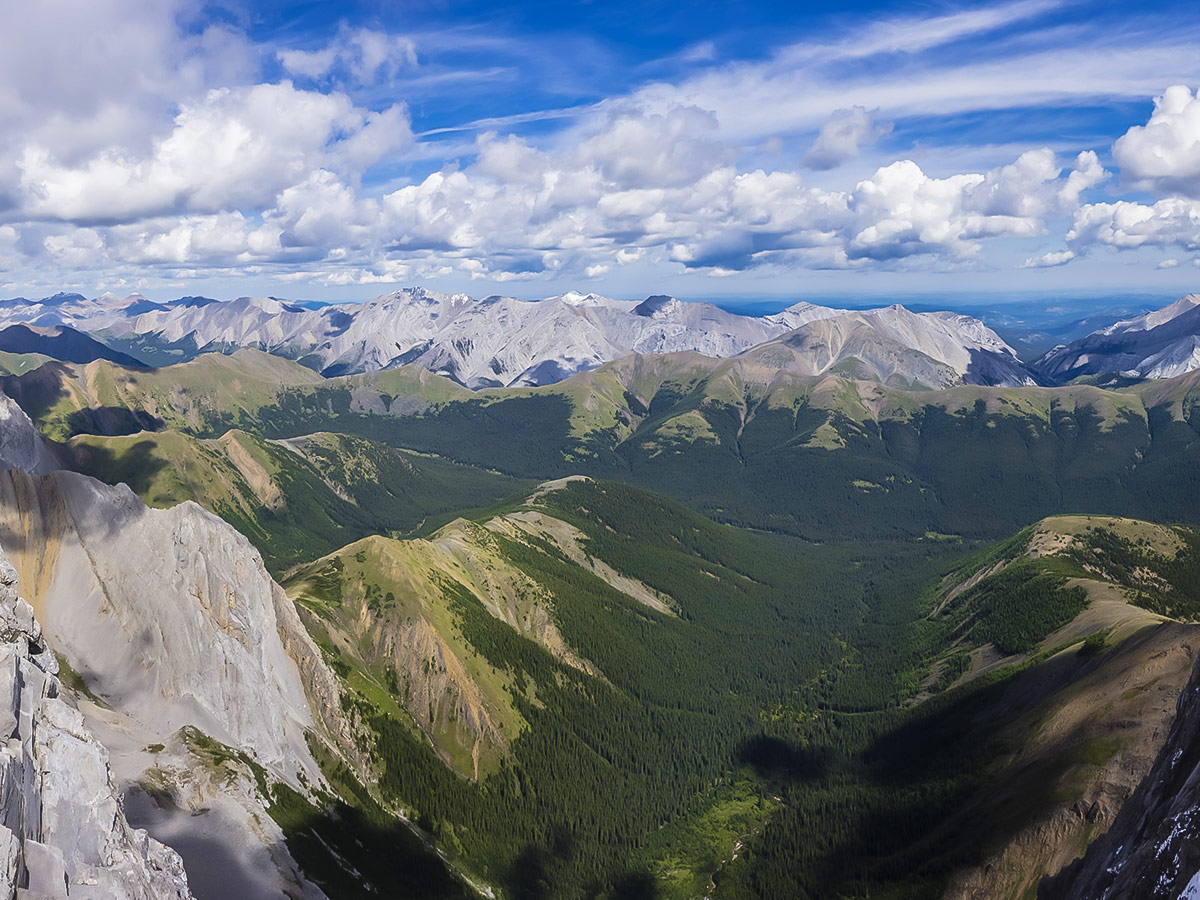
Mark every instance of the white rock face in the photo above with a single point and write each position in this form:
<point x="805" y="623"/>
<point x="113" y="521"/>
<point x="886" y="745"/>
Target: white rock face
<point x="21" y="446"/>
<point x="172" y="621"/>
<point x="898" y="346"/>
<point x="63" y="832"/>
<point x="1160" y="344"/>
<point x="169" y="613"/>
<point x="75" y="310"/>
<point x="494" y="341"/>
<point x="502" y="341"/>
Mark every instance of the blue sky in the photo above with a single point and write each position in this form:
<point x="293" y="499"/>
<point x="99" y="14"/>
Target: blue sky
<point x="716" y="150"/>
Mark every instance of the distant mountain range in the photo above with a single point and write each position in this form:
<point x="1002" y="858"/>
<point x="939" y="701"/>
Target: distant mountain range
<point x="1160" y="344"/>
<point x="506" y="342"/>
<point x="502" y="341"/>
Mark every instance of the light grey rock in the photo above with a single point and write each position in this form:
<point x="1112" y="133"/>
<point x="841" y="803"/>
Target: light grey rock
<point x="506" y="341"/>
<point x="169" y="612"/>
<point x="900" y="347"/>
<point x="63" y="833"/>
<point x="503" y="340"/>
<point x="174" y="623"/>
<point x="21" y="446"/>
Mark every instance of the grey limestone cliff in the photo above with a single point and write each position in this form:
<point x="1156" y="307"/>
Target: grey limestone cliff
<point x="63" y="832"/>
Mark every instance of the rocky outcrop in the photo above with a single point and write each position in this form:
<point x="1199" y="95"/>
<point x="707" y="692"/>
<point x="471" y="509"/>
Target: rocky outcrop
<point x="1152" y="850"/>
<point x="21" y="445"/>
<point x="1094" y="739"/>
<point x="175" y="627"/>
<point x="63" y="832"/>
<point x="898" y="347"/>
<point x="169" y="614"/>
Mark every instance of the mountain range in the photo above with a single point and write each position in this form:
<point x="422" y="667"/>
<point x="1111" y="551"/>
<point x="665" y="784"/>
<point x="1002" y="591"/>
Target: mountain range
<point x="505" y="342"/>
<point x="501" y="341"/>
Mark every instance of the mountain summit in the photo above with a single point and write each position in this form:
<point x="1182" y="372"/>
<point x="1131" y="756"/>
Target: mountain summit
<point x="1160" y="344"/>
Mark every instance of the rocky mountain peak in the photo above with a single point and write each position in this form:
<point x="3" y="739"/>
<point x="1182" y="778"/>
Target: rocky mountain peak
<point x="656" y="305"/>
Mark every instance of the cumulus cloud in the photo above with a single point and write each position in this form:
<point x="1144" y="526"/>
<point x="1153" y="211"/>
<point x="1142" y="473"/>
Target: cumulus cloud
<point x="1126" y="225"/>
<point x="236" y="148"/>
<point x="841" y="137"/>
<point x="185" y="158"/>
<point x="1163" y="156"/>
<point x="713" y="217"/>
<point x="518" y="211"/>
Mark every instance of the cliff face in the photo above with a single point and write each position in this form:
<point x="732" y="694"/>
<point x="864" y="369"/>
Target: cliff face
<point x="175" y="627"/>
<point x="21" y="446"/>
<point x="63" y="832"/>
<point x="1152" y="851"/>
<point x="168" y="614"/>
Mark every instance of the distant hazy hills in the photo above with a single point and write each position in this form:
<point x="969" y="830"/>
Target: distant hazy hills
<point x="61" y="343"/>
<point x="506" y="342"/>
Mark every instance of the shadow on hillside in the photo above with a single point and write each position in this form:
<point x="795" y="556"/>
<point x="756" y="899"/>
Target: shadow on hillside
<point x="113" y="421"/>
<point x="531" y="876"/>
<point x="37" y="391"/>
<point x="956" y="797"/>
<point x="778" y="760"/>
<point x="135" y="466"/>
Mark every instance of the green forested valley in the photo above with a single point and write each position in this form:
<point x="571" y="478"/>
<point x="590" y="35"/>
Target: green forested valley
<point x="681" y="627"/>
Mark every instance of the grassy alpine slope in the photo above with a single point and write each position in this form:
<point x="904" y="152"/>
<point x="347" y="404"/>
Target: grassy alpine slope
<point x="295" y="500"/>
<point x="824" y="458"/>
<point x="746" y="441"/>
<point x="556" y="653"/>
<point x="835" y="741"/>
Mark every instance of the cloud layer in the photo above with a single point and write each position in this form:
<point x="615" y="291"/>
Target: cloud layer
<point x="207" y="151"/>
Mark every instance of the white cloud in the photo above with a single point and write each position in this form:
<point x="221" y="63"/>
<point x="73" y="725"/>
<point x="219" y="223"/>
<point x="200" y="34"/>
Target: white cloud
<point x="634" y="150"/>
<point x="841" y="137"/>
<point x="795" y="89"/>
<point x="235" y="149"/>
<point x="1168" y="264"/>
<point x="1163" y="155"/>
<point x="159" y="146"/>
<point x="519" y="211"/>
<point x="76" y="73"/>
<point x="1126" y="225"/>
<point x="913" y="34"/>
<point x="1049" y="260"/>
<point x="363" y="55"/>
<point x="518" y="200"/>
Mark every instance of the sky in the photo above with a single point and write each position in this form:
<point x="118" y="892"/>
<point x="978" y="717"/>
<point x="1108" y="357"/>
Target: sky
<point x="744" y="151"/>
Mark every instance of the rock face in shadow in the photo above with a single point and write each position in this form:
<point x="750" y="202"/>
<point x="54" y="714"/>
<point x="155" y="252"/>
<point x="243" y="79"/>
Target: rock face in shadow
<point x="21" y="446"/>
<point x="63" y="832"/>
<point x="1152" y="850"/>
